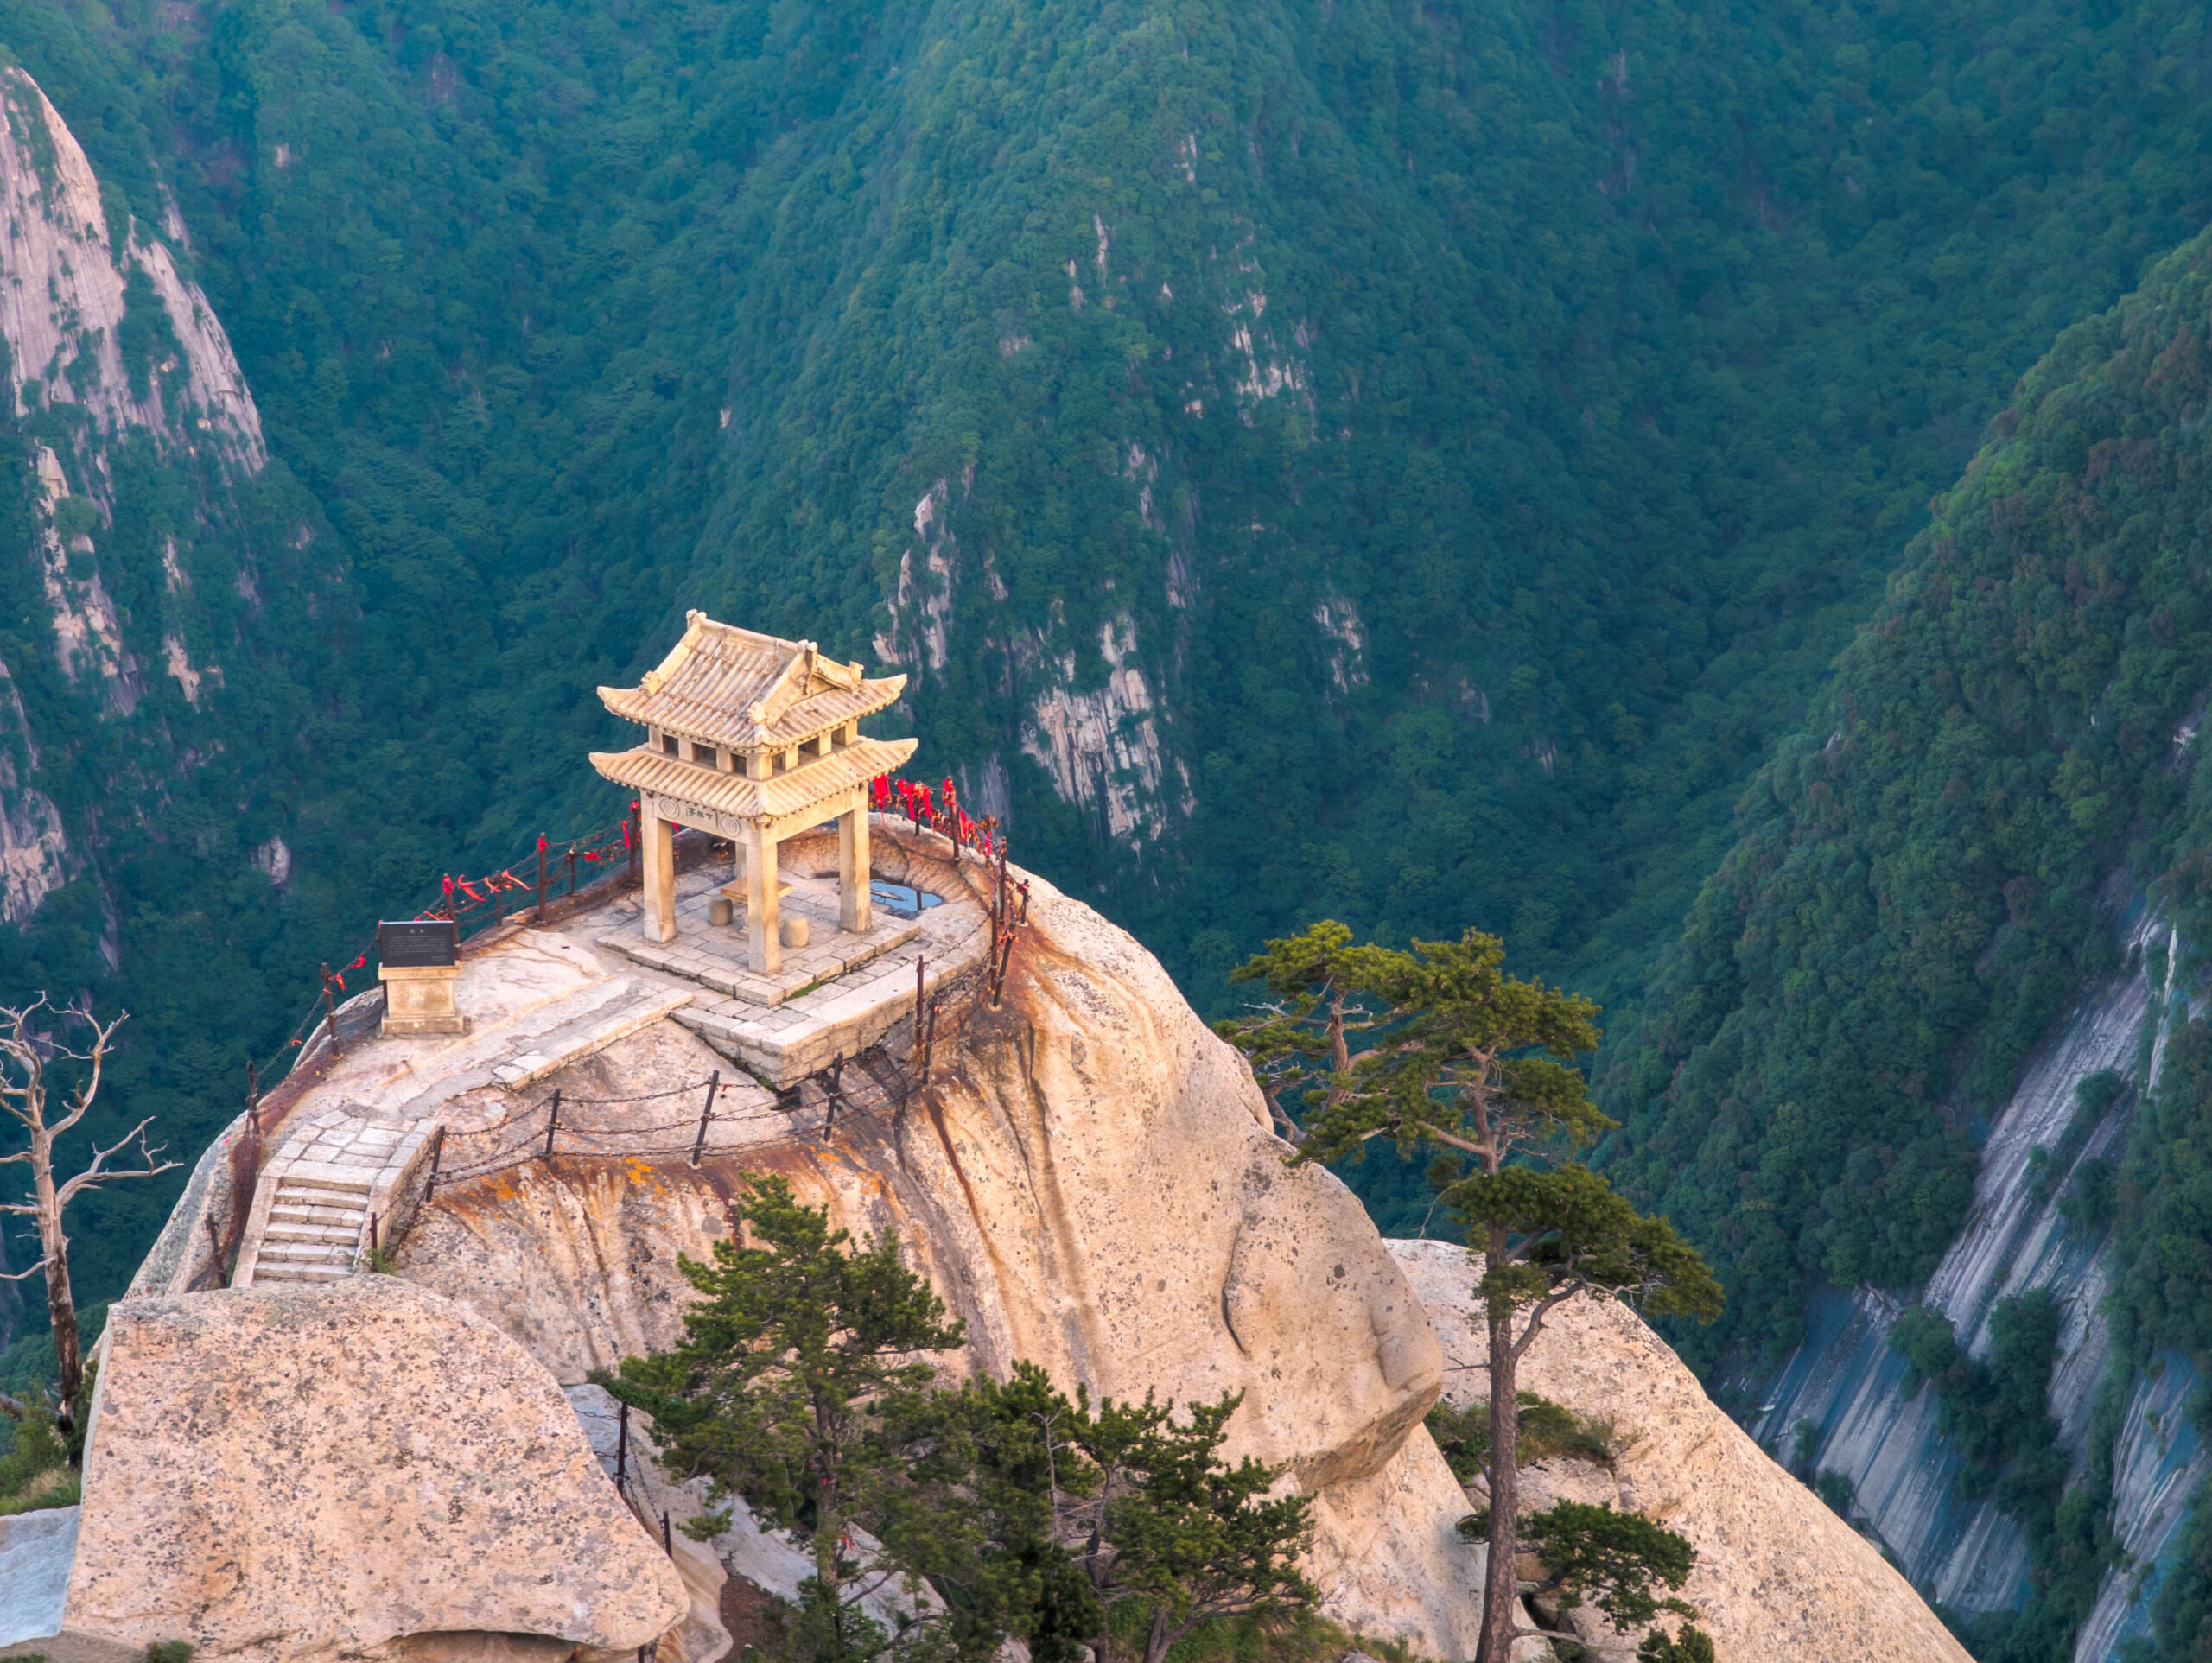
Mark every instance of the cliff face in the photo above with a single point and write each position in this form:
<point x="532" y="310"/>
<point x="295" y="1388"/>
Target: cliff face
<point x="135" y="451"/>
<point x="1778" y="1574"/>
<point x="1848" y="1383"/>
<point x="1086" y="1175"/>
<point x="96" y="314"/>
<point x="1090" y="1181"/>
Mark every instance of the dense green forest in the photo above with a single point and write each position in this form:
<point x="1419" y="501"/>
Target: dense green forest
<point x="1480" y="425"/>
<point x="2006" y="764"/>
<point x="1553" y="468"/>
<point x="1925" y="873"/>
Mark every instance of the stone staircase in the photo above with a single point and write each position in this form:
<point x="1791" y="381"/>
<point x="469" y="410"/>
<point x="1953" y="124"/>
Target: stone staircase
<point x="315" y="1229"/>
<point x="311" y="1208"/>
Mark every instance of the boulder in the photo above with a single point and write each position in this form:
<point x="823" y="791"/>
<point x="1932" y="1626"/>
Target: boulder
<point x="1778" y="1575"/>
<point x="36" y="1549"/>
<point x="358" y="1470"/>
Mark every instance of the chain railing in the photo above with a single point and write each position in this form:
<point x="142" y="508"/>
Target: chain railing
<point x="556" y="884"/>
<point x="475" y="904"/>
<point x="550" y="1128"/>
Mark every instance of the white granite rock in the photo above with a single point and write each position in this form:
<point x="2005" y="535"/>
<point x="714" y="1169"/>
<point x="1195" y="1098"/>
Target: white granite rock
<point x="301" y="1472"/>
<point x="1090" y="1183"/>
<point x="36" y="1549"/>
<point x="1778" y="1575"/>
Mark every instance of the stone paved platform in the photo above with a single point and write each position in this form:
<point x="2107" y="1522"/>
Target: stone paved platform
<point x="837" y="996"/>
<point x="544" y="1000"/>
<point x="714" y="955"/>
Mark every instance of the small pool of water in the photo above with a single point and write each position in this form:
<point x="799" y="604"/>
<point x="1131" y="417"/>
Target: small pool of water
<point x="902" y="900"/>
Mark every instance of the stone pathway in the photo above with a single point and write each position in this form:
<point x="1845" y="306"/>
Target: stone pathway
<point x="311" y="1208"/>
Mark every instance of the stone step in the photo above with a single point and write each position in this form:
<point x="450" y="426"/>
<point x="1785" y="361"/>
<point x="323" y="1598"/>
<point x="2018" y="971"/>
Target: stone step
<point x="314" y="1206"/>
<point x="277" y="1270"/>
<point x="319" y="1201"/>
<point x="328" y="1182"/>
<point x="289" y="1194"/>
<point x="307" y="1253"/>
<point x="335" y="1234"/>
<point x="292" y="1213"/>
<point x="318" y="1226"/>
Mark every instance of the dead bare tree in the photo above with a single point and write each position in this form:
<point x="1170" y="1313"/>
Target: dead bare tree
<point x="26" y="1054"/>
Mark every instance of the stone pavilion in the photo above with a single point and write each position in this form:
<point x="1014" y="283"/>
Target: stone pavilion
<point x="757" y="739"/>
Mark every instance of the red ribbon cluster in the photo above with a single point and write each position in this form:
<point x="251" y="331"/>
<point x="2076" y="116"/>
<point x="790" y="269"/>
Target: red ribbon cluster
<point x="940" y="811"/>
<point x="492" y="888"/>
<point x="463" y="893"/>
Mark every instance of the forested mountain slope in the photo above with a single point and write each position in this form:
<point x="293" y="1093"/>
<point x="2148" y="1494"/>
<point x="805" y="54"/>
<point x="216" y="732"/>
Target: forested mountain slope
<point x="168" y="599"/>
<point x="2005" y="771"/>
<point x="1405" y="462"/>
<point x="1929" y="871"/>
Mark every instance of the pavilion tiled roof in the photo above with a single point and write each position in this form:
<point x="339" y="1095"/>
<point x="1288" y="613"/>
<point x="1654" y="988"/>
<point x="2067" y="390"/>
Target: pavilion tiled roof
<point x="815" y="779"/>
<point x="741" y="690"/>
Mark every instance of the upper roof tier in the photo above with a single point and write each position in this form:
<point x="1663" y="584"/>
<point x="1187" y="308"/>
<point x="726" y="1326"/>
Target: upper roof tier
<point x="749" y="692"/>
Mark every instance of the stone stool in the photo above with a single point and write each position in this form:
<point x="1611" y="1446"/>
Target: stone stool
<point x="719" y="910"/>
<point x="795" y="930"/>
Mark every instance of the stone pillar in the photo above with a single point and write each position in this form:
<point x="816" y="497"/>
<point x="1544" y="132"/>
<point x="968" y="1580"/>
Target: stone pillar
<point x="763" y="942"/>
<point x="855" y="913"/>
<point x="657" y="917"/>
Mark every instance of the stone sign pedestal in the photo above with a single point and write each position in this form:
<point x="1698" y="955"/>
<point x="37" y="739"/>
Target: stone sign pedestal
<point x="418" y="961"/>
<point x="419" y="998"/>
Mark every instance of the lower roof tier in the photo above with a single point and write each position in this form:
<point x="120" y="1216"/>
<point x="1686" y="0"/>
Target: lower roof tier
<point x="816" y="780"/>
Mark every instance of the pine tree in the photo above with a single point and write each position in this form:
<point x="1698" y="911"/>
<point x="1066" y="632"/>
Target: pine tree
<point x="801" y="1353"/>
<point x="1124" y="1503"/>
<point x="1482" y="1064"/>
<point x="1306" y="1028"/>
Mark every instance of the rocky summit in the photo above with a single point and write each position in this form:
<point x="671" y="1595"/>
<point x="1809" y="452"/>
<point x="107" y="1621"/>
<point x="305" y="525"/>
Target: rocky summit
<point x="359" y="1464"/>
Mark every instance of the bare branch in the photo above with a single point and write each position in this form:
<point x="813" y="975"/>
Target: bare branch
<point x="1451" y="1141"/>
<point x="102" y="1036"/>
<point x="94" y="1175"/>
<point x="23" y="1275"/>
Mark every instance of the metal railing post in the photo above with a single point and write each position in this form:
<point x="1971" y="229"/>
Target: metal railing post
<point x="707" y="1113"/>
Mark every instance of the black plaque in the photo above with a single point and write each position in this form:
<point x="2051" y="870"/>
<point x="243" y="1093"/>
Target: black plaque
<point x="416" y="942"/>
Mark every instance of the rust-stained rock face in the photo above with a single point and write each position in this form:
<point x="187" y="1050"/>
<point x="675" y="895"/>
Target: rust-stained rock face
<point x="324" y="1471"/>
<point x="1090" y="1183"/>
<point x="1778" y="1575"/>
